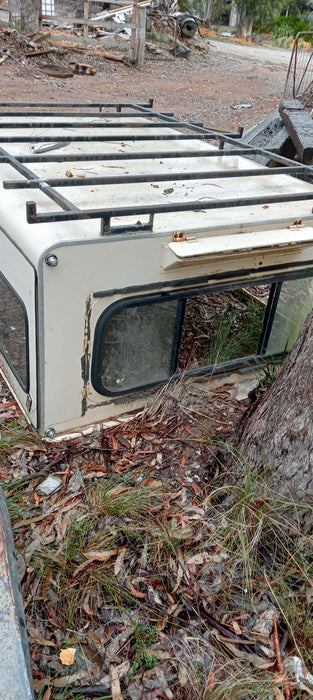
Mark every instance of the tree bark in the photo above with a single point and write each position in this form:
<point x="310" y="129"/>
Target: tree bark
<point x="208" y="7"/>
<point x="234" y="15"/>
<point x="244" y="27"/>
<point x="277" y="436"/>
<point x="30" y="10"/>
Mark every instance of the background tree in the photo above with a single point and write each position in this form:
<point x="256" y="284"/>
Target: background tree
<point x="30" y="10"/>
<point x="265" y="12"/>
<point x="277" y="436"/>
<point x="207" y="11"/>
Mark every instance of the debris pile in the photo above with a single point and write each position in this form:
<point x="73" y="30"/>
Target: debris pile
<point x="44" y="55"/>
<point x="170" y="32"/>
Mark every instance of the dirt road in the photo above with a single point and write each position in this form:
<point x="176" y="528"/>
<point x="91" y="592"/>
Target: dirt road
<point x="265" y="55"/>
<point x="210" y="86"/>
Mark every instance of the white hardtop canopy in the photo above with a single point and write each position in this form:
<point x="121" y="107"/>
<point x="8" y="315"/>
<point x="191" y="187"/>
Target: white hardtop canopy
<point x="196" y="172"/>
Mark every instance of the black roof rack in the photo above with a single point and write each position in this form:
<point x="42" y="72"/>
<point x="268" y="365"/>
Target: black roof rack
<point x="184" y="131"/>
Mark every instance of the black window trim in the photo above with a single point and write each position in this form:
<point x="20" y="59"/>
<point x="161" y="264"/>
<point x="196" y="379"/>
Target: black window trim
<point x="220" y="369"/>
<point x="25" y="386"/>
<point x="181" y="295"/>
<point x="102" y="323"/>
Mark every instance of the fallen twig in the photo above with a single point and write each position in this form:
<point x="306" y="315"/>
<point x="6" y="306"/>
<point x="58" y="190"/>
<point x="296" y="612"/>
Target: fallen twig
<point x="279" y="663"/>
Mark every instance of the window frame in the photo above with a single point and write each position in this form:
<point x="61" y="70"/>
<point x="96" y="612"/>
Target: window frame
<point x="146" y="295"/>
<point x="99" y="334"/>
<point x="24" y="385"/>
<point x="182" y="296"/>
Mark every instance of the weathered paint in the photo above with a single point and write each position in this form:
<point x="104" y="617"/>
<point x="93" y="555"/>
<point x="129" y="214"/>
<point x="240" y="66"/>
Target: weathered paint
<point x="15" y="673"/>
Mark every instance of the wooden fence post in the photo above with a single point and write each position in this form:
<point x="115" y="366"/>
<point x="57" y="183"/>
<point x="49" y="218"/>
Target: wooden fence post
<point x="138" y="35"/>
<point x="141" y="36"/>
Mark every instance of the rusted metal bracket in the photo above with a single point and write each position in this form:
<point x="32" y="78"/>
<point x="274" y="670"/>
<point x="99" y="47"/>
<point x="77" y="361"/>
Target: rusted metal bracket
<point x="15" y="669"/>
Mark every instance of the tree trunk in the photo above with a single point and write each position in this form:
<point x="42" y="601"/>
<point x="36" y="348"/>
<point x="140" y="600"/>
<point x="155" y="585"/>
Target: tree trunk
<point x="208" y="7"/>
<point x="30" y="10"/>
<point x="277" y="436"/>
<point x="234" y="15"/>
<point x="244" y="26"/>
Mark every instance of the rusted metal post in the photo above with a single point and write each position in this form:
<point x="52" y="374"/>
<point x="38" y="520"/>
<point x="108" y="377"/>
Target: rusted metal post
<point x="15" y="671"/>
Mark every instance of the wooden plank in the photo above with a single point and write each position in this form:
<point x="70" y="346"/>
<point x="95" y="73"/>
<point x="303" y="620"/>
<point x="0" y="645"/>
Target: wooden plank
<point x="299" y="125"/>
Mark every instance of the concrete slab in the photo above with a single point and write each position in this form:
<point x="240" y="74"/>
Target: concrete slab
<point x="15" y="669"/>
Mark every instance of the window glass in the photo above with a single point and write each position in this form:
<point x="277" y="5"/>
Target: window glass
<point x="13" y="332"/>
<point x="294" y="304"/>
<point x="137" y="346"/>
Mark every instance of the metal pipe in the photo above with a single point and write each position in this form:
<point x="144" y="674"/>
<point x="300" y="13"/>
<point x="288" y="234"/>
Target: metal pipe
<point x="148" y="209"/>
<point x="151" y="155"/>
<point x="152" y="177"/>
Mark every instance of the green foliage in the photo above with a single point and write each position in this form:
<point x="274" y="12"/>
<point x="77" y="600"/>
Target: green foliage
<point x="77" y="538"/>
<point x="290" y="26"/>
<point x="117" y="499"/>
<point x="260" y="10"/>
<point x="266" y="13"/>
<point x="144" y="637"/>
<point x="267" y="375"/>
<point x="14" y="435"/>
<point x="282" y="17"/>
<point x="162" y="37"/>
<point x="236" y="330"/>
<point x="219" y="11"/>
<point x="285" y="26"/>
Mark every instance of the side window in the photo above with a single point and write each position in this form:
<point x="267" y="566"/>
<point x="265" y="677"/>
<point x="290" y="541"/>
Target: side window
<point x="14" y="332"/>
<point x="143" y="342"/>
<point x="135" y="345"/>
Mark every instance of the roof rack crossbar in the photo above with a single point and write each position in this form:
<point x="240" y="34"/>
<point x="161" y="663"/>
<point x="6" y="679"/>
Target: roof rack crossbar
<point x="80" y="138"/>
<point x="91" y="105"/>
<point x="91" y="125"/>
<point x="138" y="155"/>
<point x="170" y="207"/>
<point x="42" y="113"/>
<point x="148" y="177"/>
<point x="64" y="203"/>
